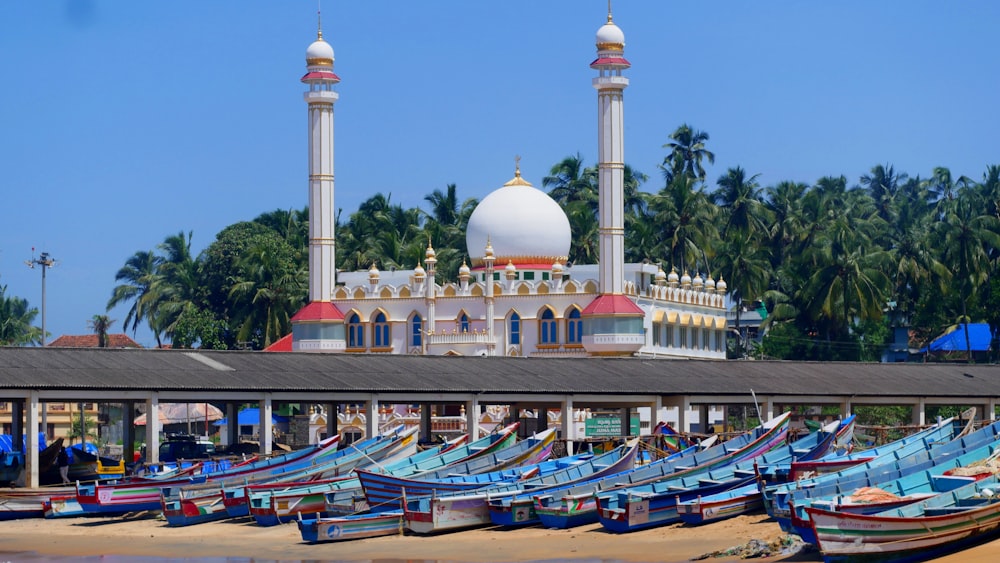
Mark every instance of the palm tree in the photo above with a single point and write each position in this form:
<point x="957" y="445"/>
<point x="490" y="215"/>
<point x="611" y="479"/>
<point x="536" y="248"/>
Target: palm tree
<point x="15" y="321"/>
<point x="883" y="185"/>
<point x="178" y="286"/>
<point x="139" y="275"/>
<point x="687" y="150"/>
<point x="687" y="220"/>
<point x="569" y="181"/>
<point x="746" y="262"/>
<point x="101" y="324"/>
<point x="741" y="198"/>
<point x="965" y="234"/>
<point x="273" y="289"/>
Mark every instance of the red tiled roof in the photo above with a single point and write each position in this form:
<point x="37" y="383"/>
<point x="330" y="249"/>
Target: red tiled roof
<point x="322" y="75"/>
<point x="283" y="344"/>
<point x="617" y="61"/>
<point x="605" y="305"/>
<point x="318" y="311"/>
<point x="90" y="341"/>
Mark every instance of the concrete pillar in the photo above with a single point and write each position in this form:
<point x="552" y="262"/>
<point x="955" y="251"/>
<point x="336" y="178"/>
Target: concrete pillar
<point x="426" y="424"/>
<point x="153" y="428"/>
<point x="264" y="427"/>
<point x="17" y="423"/>
<point x="919" y="414"/>
<point x="845" y="408"/>
<point x="371" y="420"/>
<point x="128" y="431"/>
<point x="232" y="424"/>
<point x="331" y="419"/>
<point x="767" y="408"/>
<point x="991" y="411"/>
<point x="31" y="438"/>
<point x="626" y="420"/>
<point x="472" y="418"/>
<point x="568" y="427"/>
<point x="703" y="418"/>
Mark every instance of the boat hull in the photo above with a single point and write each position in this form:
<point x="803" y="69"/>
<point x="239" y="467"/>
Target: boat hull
<point x="316" y="530"/>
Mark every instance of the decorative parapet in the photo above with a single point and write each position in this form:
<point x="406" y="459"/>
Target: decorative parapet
<point x="455" y="337"/>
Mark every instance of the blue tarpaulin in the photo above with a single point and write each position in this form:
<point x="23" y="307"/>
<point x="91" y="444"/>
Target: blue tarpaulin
<point x="954" y="341"/>
<point x="7" y="444"/>
<point x="251" y="417"/>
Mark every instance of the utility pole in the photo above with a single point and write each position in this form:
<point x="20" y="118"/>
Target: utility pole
<point x="46" y="262"/>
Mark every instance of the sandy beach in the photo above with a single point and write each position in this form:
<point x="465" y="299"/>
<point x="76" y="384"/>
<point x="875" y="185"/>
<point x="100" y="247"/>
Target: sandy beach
<point x="241" y="539"/>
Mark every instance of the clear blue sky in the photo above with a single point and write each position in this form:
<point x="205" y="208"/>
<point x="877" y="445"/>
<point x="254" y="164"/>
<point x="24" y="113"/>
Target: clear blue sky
<point x="124" y="122"/>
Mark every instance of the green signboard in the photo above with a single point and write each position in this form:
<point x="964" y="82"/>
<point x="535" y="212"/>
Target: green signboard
<point x="600" y="426"/>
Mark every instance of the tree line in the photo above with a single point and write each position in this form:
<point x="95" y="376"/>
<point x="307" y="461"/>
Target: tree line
<point x="834" y="265"/>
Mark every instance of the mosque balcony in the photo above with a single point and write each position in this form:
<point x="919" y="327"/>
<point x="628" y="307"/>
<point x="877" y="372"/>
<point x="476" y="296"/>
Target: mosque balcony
<point x="455" y="337"/>
<point x="570" y="352"/>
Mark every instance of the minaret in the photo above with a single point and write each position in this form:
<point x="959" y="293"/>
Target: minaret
<point x="319" y="326"/>
<point x="612" y="323"/>
<point x="488" y="259"/>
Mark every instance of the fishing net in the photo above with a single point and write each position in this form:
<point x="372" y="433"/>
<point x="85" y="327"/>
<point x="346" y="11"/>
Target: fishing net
<point x="866" y="495"/>
<point x="978" y="469"/>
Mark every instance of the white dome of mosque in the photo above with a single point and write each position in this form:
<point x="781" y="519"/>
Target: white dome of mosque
<point x="319" y="53"/>
<point x="523" y="224"/>
<point x="610" y="36"/>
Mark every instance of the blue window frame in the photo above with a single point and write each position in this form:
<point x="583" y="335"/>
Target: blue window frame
<point x="547" y="330"/>
<point x="355" y="332"/>
<point x="515" y="328"/>
<point x="416" y="331"/>
<point x="574" y="327"/>
<point x="380" y="332"/>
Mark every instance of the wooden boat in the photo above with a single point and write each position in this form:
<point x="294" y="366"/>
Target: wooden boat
<point x="385" y="492"/>
<point x="270" y="504"/>
<point x="196" y="504"/>
<point x="775" y="498"/>
<point x="349" y="498"/>
<point x="747" y="498"/>
<point x="351" y="527"/>
<point x="842" y="432"/>
<point x="917" y="531"/>
<point x="923" y="475"/>
<point x="19" y="503"/>
<point x="447" y="512"/>
<point x="572" y="504"/>
<point x="579" y="506"/>
<point x="11" y="466"/>
<point x="655" y="504"/>
<point x="142" y="495"/>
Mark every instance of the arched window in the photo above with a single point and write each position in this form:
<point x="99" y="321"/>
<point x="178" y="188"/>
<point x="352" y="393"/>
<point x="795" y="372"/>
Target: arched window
<point x="355" y="332"/>
<point x="463" y="322"/>
<point x="515" y="329"/>
<point x="416" y="330"/>
<point x="548" y="334"/>
<point x="380" y="331"/>
<point x="574" y="327"/>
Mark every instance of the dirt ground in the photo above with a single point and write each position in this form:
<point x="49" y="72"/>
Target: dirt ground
<point x="242" y="539"/>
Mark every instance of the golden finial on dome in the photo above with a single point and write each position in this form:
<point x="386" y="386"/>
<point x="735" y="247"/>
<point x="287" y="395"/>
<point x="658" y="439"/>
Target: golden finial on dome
<point x="609" y="11"/>
<point x="518" y="180"/>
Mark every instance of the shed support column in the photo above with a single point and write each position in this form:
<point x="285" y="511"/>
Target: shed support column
<point x="17" y="426"/>
<point x="703" y="419"/>
<point x="371" y="420"/>
<point x="766" y="406"/>
<point x="232" y="424"/>
<point x="128" y="431"/>
<point x="568" y="426"/>
<point x="654" y="412"/>
<point x="626" y="421"/>
<point x="264" y="428"/>
<point x="845" y="408"/>
<point x="31" y="442"/>
<point x="472" y="418"/>
<point x="331" y="420"/>
<point x="919" y="415"/>
<point x="991" y="411"/>
<point x="153" y="429"/>
<point x="425" y="424"/>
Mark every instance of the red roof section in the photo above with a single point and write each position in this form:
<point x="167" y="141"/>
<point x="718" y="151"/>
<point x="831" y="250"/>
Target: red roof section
<point x="90" y="341"/>
<point x="318" y="311"/>
<point x="612" y="305"/>
<point x="322" y="75"/>
<point x="283" y="344"/>
<point x="615" y="61"/>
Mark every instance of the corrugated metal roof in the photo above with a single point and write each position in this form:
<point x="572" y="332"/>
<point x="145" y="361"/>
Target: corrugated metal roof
<point x="185" y="370"/>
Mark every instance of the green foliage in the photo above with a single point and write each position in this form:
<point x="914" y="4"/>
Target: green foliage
<point x="198" y="328"/>
<point x="89" y="428"/>
<point x="15" y="321"/>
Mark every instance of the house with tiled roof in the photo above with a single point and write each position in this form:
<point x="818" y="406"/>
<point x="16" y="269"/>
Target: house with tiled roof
<point x="90" y="341"/>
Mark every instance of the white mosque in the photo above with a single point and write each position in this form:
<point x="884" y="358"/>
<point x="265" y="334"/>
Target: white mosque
<point x="520" y="297"/>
